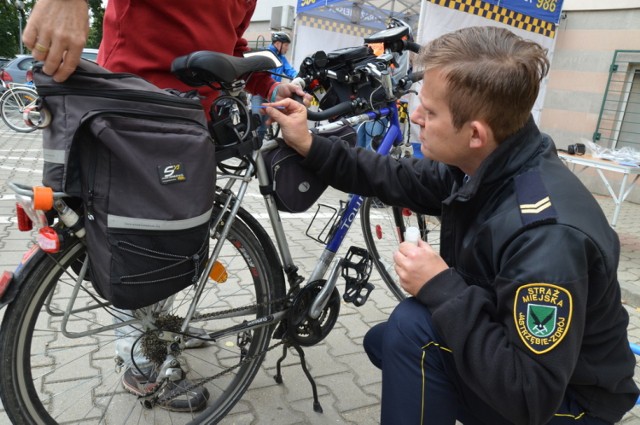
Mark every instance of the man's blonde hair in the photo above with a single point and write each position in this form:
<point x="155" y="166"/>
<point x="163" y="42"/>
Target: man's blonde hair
<point x="492" y="74"/>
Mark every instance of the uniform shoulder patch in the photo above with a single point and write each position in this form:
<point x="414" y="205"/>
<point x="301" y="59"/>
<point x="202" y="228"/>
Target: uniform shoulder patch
<point x="542" y="314"/>
<point x="533" y="199"/>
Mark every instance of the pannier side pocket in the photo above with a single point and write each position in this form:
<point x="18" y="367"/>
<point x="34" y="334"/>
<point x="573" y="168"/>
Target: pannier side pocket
<point x="144" y="182"/>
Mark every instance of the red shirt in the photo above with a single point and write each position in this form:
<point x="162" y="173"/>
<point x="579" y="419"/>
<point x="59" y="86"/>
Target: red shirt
<point x="144" y="36"/>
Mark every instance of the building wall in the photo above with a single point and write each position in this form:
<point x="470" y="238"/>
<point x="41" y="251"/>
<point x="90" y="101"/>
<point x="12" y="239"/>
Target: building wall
<point x="577" y="81"/>
<point x="585" y="45"/>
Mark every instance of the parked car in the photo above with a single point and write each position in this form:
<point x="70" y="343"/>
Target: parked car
<point x="91" y="54"/>
<point x="16" y="70"/>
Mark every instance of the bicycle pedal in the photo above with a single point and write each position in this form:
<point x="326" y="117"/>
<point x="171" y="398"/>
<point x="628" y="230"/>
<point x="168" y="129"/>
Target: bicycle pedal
<point x="356" y="292"/>
<point x="356" y="270"/>
<point x="357" y="261"/>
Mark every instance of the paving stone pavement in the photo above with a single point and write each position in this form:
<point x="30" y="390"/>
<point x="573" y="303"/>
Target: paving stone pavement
<point x="348" y="385"/>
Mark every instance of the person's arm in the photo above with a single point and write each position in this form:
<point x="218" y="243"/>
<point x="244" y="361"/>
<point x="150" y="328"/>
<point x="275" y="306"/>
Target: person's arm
<point x="518" y="337"/>
<point x="415" y="184"/>
<point x="56" y="33"/>
<point x="288" y="70"/>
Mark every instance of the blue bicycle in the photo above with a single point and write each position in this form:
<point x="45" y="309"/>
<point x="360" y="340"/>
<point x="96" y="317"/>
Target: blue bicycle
<point x="58" y="335"/>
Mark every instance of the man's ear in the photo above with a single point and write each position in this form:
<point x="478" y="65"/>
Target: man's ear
<point x="481" y="135"/>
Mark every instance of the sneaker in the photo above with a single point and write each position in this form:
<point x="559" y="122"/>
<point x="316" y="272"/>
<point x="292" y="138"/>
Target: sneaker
<point x="173" y="396"/>
<point x="195" y="342"/>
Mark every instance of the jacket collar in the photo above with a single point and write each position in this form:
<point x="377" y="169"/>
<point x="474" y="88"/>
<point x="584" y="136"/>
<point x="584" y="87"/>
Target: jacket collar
<point x="506" y="160"/>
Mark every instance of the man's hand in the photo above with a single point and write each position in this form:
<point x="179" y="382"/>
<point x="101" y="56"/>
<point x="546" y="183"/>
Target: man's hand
<point x="56" y="32"/>
<point x="416" y="265"/>
<point x="289" y="90"/>
<point x="292" y="118"/>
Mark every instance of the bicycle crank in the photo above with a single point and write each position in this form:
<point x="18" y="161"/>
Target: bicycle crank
<point x="301" y="327"/>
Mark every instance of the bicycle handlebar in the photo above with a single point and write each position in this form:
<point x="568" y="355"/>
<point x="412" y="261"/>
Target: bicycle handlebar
<point x="339" y="109"/>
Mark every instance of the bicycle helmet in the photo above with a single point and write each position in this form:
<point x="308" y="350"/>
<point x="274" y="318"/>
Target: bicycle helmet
<point x="280" y="36"/>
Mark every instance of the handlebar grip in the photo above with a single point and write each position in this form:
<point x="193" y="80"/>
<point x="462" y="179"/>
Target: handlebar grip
<point x="414" y="77"/>
<point x="413" y="46"/>
<point x="339" y="109"/>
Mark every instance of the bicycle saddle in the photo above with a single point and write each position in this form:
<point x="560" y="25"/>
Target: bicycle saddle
<point x="205" y="67"/>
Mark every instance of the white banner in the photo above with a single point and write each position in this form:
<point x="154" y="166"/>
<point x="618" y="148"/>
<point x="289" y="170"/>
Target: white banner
<point x="438" y="20"/>
<point x="309" y="40"/>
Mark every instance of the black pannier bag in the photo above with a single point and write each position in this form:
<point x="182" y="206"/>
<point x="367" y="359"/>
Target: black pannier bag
<point x="294" y="187"/>
<point x="142" y="161"/>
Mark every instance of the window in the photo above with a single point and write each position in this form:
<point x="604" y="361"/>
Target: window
<point x="619" y="121"/>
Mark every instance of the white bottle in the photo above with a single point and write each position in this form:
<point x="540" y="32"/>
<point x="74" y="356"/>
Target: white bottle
<point x="412" y="234"/>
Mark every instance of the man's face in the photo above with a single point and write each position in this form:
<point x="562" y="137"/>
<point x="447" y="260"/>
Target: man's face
<point x="282" y="47"/>
<point x="439" y="139"/>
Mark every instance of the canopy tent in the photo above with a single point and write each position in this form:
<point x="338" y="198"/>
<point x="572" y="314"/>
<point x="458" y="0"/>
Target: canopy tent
<point x="368" y="13"/>
<point x="333" y="24"/>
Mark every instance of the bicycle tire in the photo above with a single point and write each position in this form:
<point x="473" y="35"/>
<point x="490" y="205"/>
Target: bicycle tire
<point x="380" y="229"/>
<point x="48" y="377"/>
<point x="12" y="105"/>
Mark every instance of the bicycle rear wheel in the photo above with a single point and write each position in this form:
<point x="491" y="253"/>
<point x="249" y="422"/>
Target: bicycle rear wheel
<point x="381" y="228"/>
<point x="12" y="105"/>
<point x="55" y="375"/>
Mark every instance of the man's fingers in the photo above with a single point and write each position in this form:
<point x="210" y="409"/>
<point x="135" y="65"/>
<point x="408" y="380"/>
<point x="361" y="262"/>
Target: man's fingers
<point x="29" y="37"/>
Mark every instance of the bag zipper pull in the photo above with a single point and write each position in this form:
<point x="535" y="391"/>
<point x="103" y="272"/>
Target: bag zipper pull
<point x="90" y="206"/>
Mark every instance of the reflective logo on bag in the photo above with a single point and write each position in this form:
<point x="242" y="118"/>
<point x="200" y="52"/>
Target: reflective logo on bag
<point x="172" y="173"/>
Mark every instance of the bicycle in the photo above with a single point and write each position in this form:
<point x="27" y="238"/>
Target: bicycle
<point x="18" y="108"/>
<point x="58" y="333"/>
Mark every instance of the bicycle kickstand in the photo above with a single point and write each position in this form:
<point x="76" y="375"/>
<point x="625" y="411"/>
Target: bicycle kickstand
<point x="303" y="363"/>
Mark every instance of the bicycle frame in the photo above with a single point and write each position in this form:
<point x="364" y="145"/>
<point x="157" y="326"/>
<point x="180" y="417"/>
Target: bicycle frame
<point x="393" y="136"/>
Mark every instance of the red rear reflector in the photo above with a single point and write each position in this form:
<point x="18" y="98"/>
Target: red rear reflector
<point x="378" y="231"/>
<point x="5" y="280"/>
<point x="406" y="212"/>
<point x="48" y="240"/>
<point x="24" y="222"/>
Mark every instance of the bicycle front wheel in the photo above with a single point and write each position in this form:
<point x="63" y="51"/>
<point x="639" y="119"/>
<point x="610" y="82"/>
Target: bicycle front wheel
<point x="382" y="226"/>
<point x="56" y="373"/>
<point x="12" y="105"/>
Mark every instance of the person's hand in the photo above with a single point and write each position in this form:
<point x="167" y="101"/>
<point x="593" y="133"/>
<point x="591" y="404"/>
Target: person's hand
<point x="289" y="90"/>
<point x="56" y="33"/>
<point x="292" y="118"/>
<point x="416" y="265"/>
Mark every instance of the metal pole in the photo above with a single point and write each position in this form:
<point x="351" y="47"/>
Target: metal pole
<point x="20" y="6"/>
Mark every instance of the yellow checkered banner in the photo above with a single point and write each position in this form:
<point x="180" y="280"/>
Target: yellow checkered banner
<point x="523" y="17"/>
<point x="538" y="16"/>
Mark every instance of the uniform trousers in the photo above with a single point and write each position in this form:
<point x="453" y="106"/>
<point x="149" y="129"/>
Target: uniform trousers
<point x="406" y="347"/>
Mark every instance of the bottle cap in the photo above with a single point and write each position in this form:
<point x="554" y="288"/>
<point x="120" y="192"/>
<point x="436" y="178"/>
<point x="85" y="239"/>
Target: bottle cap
<point x="412" y="234"/>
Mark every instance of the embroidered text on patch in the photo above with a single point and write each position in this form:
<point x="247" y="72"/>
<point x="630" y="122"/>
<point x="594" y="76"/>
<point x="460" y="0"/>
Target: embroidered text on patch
<point x="542" y="314"/>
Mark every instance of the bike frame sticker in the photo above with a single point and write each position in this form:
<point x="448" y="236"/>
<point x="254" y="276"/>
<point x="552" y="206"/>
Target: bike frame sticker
<point x="542" y="314"/>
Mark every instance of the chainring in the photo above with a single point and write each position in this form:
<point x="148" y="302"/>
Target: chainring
<point x="307" y="331"/>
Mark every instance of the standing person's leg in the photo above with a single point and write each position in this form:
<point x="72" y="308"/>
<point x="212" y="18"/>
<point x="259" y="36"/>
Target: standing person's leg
<point x="256" y="101"/>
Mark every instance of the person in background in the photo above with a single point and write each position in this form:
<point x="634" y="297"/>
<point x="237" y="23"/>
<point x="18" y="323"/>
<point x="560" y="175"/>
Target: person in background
<point x="519" y="319"/>
<point x="280" y="43"/>
<point x="143" y="38"/>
